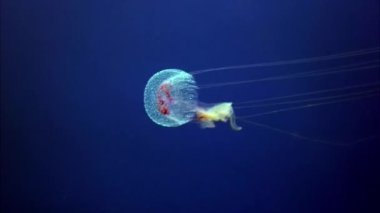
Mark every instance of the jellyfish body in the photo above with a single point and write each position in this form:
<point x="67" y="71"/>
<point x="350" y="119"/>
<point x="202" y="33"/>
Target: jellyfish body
<point x="170" y="98"/>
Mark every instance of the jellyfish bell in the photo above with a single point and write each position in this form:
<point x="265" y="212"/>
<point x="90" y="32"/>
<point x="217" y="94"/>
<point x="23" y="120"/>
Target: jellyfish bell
<point x="170" y="97"/>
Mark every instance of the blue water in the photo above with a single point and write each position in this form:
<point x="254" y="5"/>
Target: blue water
<point x="75" y="136"/>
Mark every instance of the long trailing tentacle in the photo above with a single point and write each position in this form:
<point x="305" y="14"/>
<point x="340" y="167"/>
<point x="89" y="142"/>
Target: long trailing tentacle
<point x="313" y="100"/>
<point x="307" y="74"/>
<point x="317" y="92"/>
<point x="343" y="55"/>
<point x="309" y="139"/>
<point x="310" y="105"/>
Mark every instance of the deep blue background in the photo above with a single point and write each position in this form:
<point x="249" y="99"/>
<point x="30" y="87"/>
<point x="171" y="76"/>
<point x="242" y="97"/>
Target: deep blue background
<point x="75" y="136"/>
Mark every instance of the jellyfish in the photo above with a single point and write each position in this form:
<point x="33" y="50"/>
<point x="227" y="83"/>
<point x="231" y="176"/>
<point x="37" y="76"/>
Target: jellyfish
<point x="171" y="95"/>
